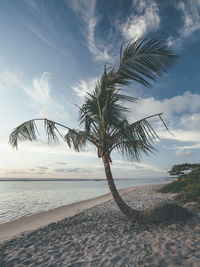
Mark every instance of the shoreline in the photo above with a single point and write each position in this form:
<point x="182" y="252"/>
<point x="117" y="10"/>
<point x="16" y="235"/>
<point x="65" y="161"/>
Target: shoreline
<point x="33" y="222"/>
<point x="100" y="235"/>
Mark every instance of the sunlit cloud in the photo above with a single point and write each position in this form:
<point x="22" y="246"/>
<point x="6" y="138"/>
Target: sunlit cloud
<point x="146" y="20"/>
<point x="180" y="104"/>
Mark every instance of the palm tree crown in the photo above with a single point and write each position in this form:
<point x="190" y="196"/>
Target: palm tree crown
<point x="104" y="113"/>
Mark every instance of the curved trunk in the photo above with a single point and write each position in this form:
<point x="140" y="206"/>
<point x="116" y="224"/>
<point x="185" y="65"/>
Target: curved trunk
<point x="132" y="214"/>
<point x="162" y="211"/>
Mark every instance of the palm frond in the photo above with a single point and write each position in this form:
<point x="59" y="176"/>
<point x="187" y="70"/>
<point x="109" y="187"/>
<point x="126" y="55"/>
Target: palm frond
<point x="52" y="131"/>
<point x="143" y="60"/>
<point x="132" y="139"/>
<point x="25" y="131"/>
<point x="77" y="139"/>
<point x="133" y="149"/>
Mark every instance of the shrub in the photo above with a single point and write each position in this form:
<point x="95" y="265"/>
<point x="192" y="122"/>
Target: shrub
<point x="188" y="187"/>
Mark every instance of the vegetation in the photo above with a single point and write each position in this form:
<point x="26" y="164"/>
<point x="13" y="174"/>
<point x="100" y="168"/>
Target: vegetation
<point x="104" y="115"/>
<point x="188" y="186"/>
<point x="182" y="169"/>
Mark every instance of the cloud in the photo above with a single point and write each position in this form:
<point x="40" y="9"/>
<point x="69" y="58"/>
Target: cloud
<point x="40" y="93"/>
<point x="72" y="170"/>
<point x="181" y="135"/>
<point x="146" y="20"/>
<point x="86" y="10"/>
<point x="42" y="168"/>
<point x="180" y="104"/>
<point x="54" y="148"/>
<point x="196" y="146"/>
<point x="54" y="112"/>
<point x="41" y="36"/>
<point x="183" y="153"/>
<point x="137" y="166"/>
<point x="191" y="17"/>
<point x="9" y="80"/>
<point x="85" y="86"/>
<point x="180" y="114"/>
<point x="190" y="11"/>
<point x="40" y="89"/>
<point x="191" y="121"/>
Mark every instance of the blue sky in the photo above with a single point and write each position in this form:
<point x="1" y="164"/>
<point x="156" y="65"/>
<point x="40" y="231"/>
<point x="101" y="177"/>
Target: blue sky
<point x="52" y="52"/>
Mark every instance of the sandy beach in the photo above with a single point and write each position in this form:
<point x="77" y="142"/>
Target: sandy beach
<point x="95" y="233"/>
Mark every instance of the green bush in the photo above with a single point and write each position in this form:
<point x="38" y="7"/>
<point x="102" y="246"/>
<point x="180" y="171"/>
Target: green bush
<point x="188" y="187"/>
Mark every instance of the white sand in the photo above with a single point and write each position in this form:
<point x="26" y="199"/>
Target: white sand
<point x="101" y="236"/>
<point x="33" y="222"/>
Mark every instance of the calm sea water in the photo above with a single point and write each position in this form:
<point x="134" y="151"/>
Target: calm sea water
<point x="24" y="198"/>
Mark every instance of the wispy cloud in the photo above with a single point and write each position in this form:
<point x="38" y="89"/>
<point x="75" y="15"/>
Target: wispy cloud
<point x="41" y="36"/>
<point x="190" y="10"/>
<point x="70" y="170"/>
<point x="42" y="168"/>
<point x="9" y="80"/>
<point x="86" y="10"/>
<point x="191" y="17"/>
<point x="39" y="91"/>
<point x="46" y="37"/>
<point x="146" y="19"/>
<point x="85" y="86"/>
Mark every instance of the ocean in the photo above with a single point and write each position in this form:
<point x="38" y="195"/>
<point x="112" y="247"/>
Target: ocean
<point x="24" y="198"/>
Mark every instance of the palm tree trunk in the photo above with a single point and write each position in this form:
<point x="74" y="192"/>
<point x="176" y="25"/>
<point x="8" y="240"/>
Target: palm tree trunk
<point x="132" y="214"/>
<point x="162" y="211"/>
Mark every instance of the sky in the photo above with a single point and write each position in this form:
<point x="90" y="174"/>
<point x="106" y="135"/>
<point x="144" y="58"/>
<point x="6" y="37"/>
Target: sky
<point x="53" y="52"/>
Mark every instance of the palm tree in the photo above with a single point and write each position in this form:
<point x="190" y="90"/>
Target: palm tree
<point x="104" y="114"/>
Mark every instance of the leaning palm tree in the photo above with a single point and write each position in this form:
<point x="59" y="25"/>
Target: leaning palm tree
<point x="105" y="116"/>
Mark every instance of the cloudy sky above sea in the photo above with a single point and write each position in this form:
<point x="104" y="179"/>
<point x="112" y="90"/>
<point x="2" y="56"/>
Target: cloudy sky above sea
<point x="53" y="52"/>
